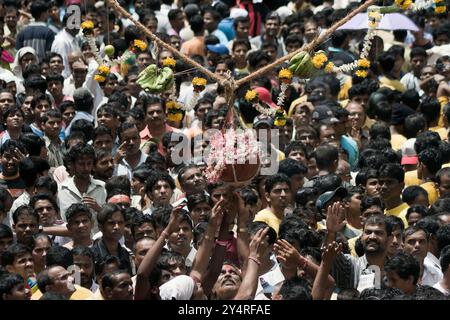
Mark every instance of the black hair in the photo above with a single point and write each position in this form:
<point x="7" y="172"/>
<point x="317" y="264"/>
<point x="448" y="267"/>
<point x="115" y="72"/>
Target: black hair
<point x="324" y="155"/>
<point x="425" y="140"/>
<point x="414" y="123"/>
<point x="121" y="183"/>
<point x="100" y="131"/>
<point x="8" y="282"/>
<point x="379" y="220"/>
<point x="76" y="209"/>
<point x="12" y="252"/>
<point x="103" y="262"/>
<point x="59" y="256"/>
<point x="197" y="24"/>
<point x="255" y="226"/>
<point x="364" y="175"/>
<point x="5" y="231"/>
<point x="392" y="170"/>
<point x="328" y="182"/>
<point x="422" y="210"/>
<point x="108" y="278"/>
<point x="410" y="194"/>
<point x="142" y="172"/>
<point x="140" y="219"/>
<point x="431" y="158"/>
<point x="24" y="210"/>
<point x="440" y="206"/>
<point x="295" y="289"/>
<point x="404" y="265"/>
<point x="197" y="198"/>
<point x="84" y="126"/>
<point x="79" y="150"/>
<point x="445" y="258"/>
<point x="428" y="223"/>
<point x="367" y="202"/>
<point x="44" y="196"/>
<point x="430" y="108"/>
<point x="107" y="211"/>
<point x="291" y="167"/>
<point x="379" y="129"/>
<point x="443" y="237"/>
<point x="278" y="178"/>
<point x="83" y="251"/>
<point x="248" y="194"/>
<point x="158" y="176"/>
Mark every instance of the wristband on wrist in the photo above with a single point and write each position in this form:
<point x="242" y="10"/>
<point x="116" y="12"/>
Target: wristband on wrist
<point x="256" y="260"/>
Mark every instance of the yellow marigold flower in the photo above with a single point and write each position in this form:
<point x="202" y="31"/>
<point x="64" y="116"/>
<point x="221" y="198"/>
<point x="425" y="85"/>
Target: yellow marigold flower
<point x="199" y="82"/>
<point x="175" y="117"/>
<point x="319" y="60"/>
<point x="169" y="62"/>
<point x="329" y="67"/>
<point x="280" y="118"/>
<point x="361" y="73"/>
<point x="103" y="69"/>
<point x="372" y="24"/>
<point x="440" y="9"/>
<point x="171" y="105"/>
<point x="375" y="15"/>
<point x="251" y="96"/>
<point x="404" y="4"/>
<point x="87" y="25"/>
<point x="99" y="78"/>
<point x="285" y="74"/>
<point x="141" y="45"/>
<point x="364" y="63"/>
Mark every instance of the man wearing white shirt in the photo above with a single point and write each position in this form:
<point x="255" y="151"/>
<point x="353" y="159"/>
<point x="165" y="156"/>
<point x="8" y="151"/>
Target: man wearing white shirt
<point x="128" y="155"/>
<point x="64" y="44"/>
<point x="84" y="103"/>
<point x="444" y="285"/>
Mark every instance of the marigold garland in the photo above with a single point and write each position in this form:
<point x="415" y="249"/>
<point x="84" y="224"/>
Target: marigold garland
<point x="361" y="73"/>
<point x="280" y="117"/>
<point x="329" y="68"/>
<point x="169" y="62"/>
<point x="174" y="111"/>
<point x="364" y="63"/>
<point x="319" y="60"/>
<point x="87" y="26"/>
<point x="285" y="75"/>
<point x="139" y="44"/>
<point x="251" y="96"/>
<point x="404" y="4"/>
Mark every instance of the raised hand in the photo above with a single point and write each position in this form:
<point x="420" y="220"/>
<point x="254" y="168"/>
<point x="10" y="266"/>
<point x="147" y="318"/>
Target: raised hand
<point x="217" y="214"/>
<point x="335" y="221"/>
<point x="330" y="252"/>
<point x="287" y="254"/>
<point x="259" y="243"/>
<point x="120" y="153"/>
<point x="175" y="219"/>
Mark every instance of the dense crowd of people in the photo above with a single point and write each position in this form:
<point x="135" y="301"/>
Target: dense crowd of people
<point x="94" y="205"/>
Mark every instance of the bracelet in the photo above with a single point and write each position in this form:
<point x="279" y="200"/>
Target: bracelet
<point x="256" y="260"/>
<point x="221" y="243"/>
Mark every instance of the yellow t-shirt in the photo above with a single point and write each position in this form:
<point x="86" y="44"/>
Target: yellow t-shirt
<point x="391" y="84"/>
<point x="411" y="179"/>
<point x="432" y="190"/>
<point x="397" y="140"/>
<point x="399" y="211"/>
<point x="351" y="244"/>
<point x="267" y="216"/>
<point x="79" y="294"/>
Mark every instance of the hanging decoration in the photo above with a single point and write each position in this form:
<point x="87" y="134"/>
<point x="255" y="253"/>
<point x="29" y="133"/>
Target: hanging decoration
<point x="174" y="111"/>
<point x="198" y="84"/>
<point x="155" y="80"/>
<point x="252" y="97"/>
<point x="232" y="157"/>
<point x="285" y="77"/>
<point x="280" y="117"/>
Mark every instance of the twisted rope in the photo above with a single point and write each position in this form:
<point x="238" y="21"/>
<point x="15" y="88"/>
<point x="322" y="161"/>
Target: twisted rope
<point x="309" y="47"/>
<point x="148" y="33"/>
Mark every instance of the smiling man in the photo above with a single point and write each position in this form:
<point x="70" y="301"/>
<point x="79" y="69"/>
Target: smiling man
<point x="159" y="188"/>
<point x="180" y="241"/>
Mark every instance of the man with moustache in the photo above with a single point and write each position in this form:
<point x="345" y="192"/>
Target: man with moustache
<point x="228" y="282"/>
<point x="56" y="279"/>
<point x="351" y="272"/>
<point x="416" y="243"/>
<point x="104" y="165"/>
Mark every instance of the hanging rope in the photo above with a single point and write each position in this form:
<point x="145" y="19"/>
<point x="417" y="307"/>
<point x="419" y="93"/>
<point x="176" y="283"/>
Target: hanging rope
<point x="149" y="34"/>
<point x="309" y="47"/>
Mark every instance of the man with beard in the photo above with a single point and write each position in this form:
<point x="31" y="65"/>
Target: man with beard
<point x="391" y="177"/>
<point x="417" y="243"/>
<point x="117" y="285"/>
<point x="128" y="155"/>
<point x="84" y="259"/>
<point x="25" y="224"/>
<point x="81" y="187"/>
<point x="279" y="196"/>
<point x="351" y="272"/>
<point x="103" y="165"/>
<point x="79" y="223"/>
<point x="272" y="27"/>
<point x="191" y="181"/>
<point x="228" y="282"/>
<point x="155" y="117"/>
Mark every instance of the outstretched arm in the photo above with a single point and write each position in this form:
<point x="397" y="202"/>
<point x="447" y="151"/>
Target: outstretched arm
<point x="151" y="257"/>
<point x="322" y="288"/>
<point x="249" y="284"/>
